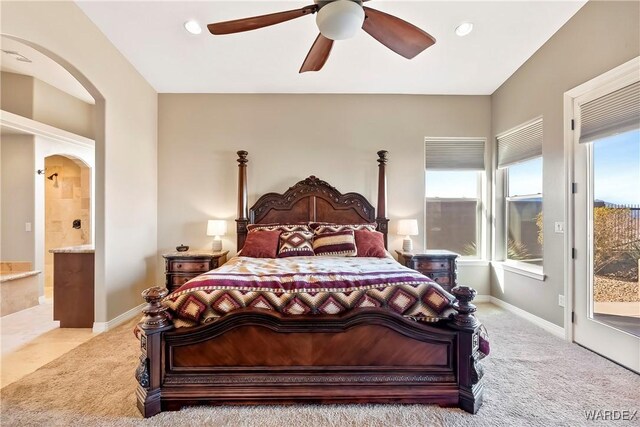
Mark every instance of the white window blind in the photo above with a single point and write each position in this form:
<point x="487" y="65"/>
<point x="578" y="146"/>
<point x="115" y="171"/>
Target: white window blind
<point x="520" y="144"/>
<point x="613" y="113"/>
<point x="454" y="153"/>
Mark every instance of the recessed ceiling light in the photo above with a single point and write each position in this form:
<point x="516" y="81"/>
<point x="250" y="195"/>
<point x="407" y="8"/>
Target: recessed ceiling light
<point x="193" y="27"/>
<point x="464" y="29"/>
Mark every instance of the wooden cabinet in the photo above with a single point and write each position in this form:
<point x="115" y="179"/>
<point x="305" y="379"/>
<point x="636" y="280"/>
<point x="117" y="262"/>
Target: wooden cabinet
<point x="439" y="265"/>
<point x="73" y="290"/>
<point x="180" y="267"/>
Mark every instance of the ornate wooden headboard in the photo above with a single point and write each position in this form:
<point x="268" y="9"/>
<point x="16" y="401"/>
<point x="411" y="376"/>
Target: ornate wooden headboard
<point x="310" y="200"/>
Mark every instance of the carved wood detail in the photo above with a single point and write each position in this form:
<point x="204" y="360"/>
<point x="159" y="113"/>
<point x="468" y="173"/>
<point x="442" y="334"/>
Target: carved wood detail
<point x="311" y="199"/>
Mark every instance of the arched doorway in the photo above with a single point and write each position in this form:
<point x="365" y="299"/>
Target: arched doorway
<point x="68" y="157"/>
<point x="67" y="208"/>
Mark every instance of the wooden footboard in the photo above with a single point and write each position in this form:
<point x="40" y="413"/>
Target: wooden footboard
<point x="254" y="356"/>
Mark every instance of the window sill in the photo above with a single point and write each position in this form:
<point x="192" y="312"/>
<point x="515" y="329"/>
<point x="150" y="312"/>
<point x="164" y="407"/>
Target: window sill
<point x="473" y="262"/>
<point x="531" y="271"/>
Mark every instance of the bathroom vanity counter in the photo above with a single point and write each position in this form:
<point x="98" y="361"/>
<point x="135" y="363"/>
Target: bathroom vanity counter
<point x="80" y="249"/>
<point x="73" y="286"/>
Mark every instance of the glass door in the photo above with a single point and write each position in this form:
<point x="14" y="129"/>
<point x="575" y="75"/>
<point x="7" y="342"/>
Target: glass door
<point x="607" y="242"/>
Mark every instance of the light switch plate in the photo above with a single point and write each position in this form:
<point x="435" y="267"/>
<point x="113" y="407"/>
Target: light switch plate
<point x="561" y="300"/>
<point x="27" y="226"/>
<point x="558" y="227"/>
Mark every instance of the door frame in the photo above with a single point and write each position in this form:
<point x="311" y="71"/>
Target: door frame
<point x="602" y="82"/>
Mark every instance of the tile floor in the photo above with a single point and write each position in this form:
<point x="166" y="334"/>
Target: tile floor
<point x="30" y="339"/>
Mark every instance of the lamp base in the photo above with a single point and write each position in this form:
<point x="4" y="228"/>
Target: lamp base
<point x="217" y="245"/>
<point x="407" y="244"/>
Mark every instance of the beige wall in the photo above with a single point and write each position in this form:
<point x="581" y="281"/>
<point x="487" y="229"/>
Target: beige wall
<point x="16" y="93"/>
<point x="37" y="100"/>
<point x="601" y="36"/>
<point x="59" y="109"/>
<point x="66" y="199"/>
<point x="17" y="197"/>
<point x="126" y="145"/>
<point x="290" y="137"/>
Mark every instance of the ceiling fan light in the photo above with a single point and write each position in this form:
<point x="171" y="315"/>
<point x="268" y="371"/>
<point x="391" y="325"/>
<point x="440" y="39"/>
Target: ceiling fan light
<point x="340" y="19"/>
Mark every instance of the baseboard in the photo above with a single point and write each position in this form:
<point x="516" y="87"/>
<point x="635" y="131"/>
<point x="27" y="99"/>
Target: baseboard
<point x="99" y="327"/>
<point x="544" y="324"/>
<point x="481" y="298"/>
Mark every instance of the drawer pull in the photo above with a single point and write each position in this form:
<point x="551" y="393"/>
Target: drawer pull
<point x="442" y="265"/>
<point x="179" y="265"/>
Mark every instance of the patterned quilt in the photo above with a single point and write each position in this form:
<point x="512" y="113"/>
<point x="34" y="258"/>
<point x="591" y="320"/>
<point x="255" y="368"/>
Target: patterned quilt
<point x="308" y="285"/>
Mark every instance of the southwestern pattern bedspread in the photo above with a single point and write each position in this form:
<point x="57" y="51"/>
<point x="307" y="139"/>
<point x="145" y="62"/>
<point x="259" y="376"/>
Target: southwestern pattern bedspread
<point x="308" y="285"/>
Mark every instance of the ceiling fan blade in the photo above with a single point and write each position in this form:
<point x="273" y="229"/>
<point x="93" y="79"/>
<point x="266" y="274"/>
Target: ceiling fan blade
<point x="400" y="36"/>
<point x="317" y="55"/>
<point x="253" y="23"/>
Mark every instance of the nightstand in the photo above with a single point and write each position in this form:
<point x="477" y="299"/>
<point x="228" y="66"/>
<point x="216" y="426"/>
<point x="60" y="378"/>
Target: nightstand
<point x="181" y="267"/>
<point x="439" y="265"/>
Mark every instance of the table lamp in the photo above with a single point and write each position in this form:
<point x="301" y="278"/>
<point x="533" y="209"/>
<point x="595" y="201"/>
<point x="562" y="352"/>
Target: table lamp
<point x="407" y="227"/>
<point x="216" y="228"/>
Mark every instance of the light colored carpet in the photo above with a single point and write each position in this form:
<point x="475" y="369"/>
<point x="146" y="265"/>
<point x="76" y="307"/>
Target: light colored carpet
<point x="532" y="378"/>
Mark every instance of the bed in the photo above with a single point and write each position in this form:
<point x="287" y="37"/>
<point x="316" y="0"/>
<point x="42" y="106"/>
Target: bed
<point x="275" y="352"/>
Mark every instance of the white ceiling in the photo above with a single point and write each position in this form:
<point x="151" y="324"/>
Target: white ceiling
<point x="151" y="36"/>
<point x="41" y="67"/>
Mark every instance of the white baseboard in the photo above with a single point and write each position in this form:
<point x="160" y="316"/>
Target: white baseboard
<point x="99" y="327"/>
<point x="481" y="298"/>
<point x="544" y="324"/>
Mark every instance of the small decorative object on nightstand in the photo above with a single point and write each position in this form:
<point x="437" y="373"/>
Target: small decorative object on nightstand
<point x="439" y="265"/>
<point x="407" y="228"/>
<point x="181" y="267"/>
<point x="216" y="228"/>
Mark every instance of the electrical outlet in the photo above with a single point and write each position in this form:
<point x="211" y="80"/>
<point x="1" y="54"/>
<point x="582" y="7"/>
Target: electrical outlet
<point x="27" y="226"/>
<point x="561" y="300"/>
<point x="558" y="227"/>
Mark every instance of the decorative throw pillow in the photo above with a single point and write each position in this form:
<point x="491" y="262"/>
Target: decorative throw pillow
<point x="338" y="243"/>
<point x="296" y="243"/>
<point x="319" y="228"/>
<point x="280" y="227"/>
<point x="370" y="244"/>
<point x="261" y="245"/>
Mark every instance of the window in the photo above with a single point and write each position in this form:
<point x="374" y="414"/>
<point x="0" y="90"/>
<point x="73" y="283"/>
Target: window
<point x="524" y="211"/>
<point x="520" y="165"/>
<point x="453" y="180"/>
<point x="453" y="207"/>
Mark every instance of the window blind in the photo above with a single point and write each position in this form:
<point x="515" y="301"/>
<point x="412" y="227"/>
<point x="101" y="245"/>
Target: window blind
<point x="522" y="144"/>
<point x="613" y="113"/>
<point x="454" y="154"/>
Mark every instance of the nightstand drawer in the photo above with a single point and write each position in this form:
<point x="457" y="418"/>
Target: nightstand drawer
<point x="439" y="265"/>
<point x="442" y="279"/>
<point x="190" y="266"/>
<point x="177" y="281"/>
<point x="431" y="265"/>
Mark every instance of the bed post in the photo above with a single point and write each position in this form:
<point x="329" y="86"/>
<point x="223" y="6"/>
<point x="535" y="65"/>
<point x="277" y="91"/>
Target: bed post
<point x="149" y="371"/>
<point x="381" y="209"/>
<point x="243" y="209"/>
<point x="470" y="370"/>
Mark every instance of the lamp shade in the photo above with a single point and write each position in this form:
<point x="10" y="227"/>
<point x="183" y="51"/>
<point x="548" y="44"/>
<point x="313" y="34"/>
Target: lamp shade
<point x="408" y="227"/>
<point x="340" y="19"/>
<point x="216" y="227"/>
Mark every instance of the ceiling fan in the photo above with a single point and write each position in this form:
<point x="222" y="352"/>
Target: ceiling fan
<point x="339" y="20"/>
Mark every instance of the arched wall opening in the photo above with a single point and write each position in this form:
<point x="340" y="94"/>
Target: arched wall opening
<point x="94" y="158"/>
<point x="68" y="216"/>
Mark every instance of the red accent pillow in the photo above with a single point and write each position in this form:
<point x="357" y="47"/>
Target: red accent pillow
<point x="370" y="244"/>
<point x="261" y="244"/>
